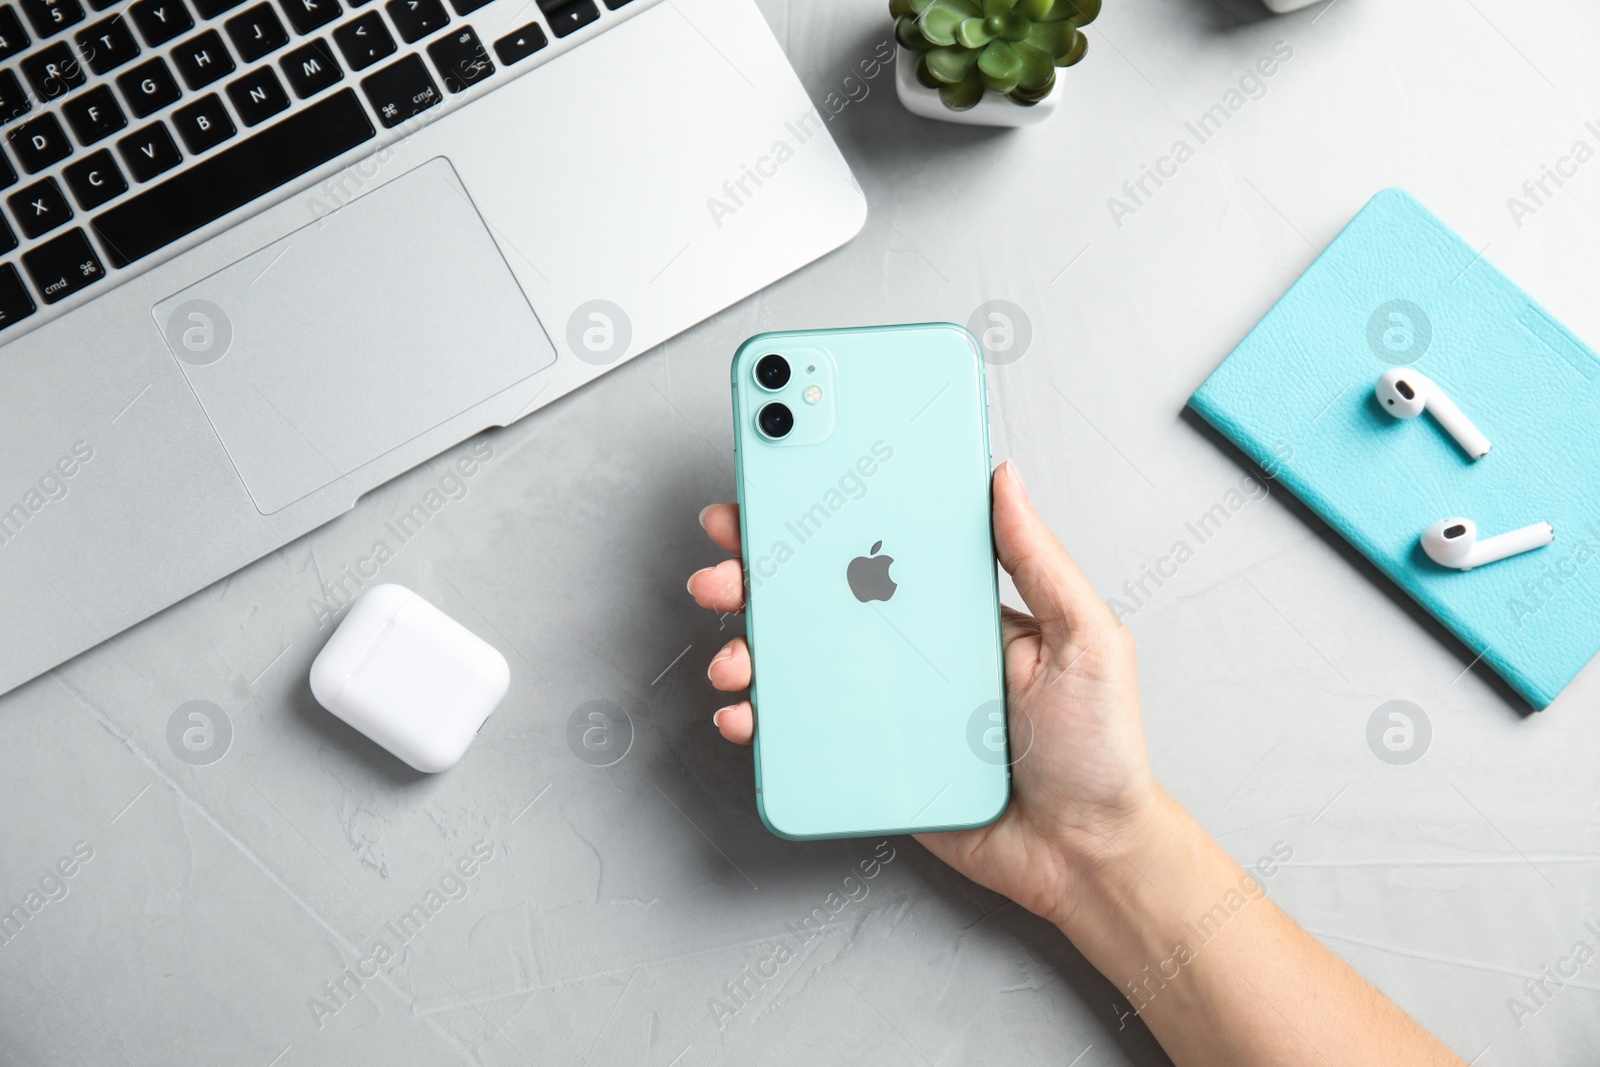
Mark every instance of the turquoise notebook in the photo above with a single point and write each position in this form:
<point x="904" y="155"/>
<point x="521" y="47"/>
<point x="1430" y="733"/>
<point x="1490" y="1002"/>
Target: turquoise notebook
<point x="1399" y="287"/>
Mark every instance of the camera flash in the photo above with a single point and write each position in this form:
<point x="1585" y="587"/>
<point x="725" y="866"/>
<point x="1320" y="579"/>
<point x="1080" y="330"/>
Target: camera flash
<point x="813" y="394"/>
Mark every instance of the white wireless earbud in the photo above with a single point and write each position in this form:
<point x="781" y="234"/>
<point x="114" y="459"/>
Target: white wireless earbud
<point x="1404" y="394"/>
<point x="1454" y="543"/>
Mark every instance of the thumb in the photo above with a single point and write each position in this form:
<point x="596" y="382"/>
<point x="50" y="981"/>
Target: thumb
<point x="1056" y="591"/>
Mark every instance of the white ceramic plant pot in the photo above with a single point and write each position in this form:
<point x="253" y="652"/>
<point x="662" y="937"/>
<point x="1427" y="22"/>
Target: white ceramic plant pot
<point x="995" y="109"/>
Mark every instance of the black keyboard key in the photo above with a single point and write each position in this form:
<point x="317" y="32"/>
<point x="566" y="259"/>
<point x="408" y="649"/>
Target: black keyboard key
<point x="40" y="207"/>
<point x="364" y="41"/>
<point x="159" y="21"/>
<point x="8" y="175"/>
<point x="39" y="143"/>
<point x="210" y="9"/>
<point x="148" y="87"/>
<point x="149" y="151"/>
<point x="8" y="240"/>
<point x="311" y="68"/>
<point x="14" y="100"/>
<point x="203" y="124"/>
<point x="13" y="38"/>
<point x="461" y="59"/>
<point x="202" y="59"/>
<point x="402" y="89"/>
<point x="53" y="70"/>
<point x="308" y="15"/>
<point x="233" y="177"/>
<point x="107" y="44"/>
<point x="415" y="19"/>
<point x="101" y="5"/>
<point x="63" y="266"/>
<point x="256" y="32"/>
<point x="94" y="179"/>
<point x="257" y="96"/>
<point x="614" y="4"/>
<point x="522" y="44"/>
<point x="94" y="115"/>
<point x="571" y="16"/>
<point x="50" y="17"/>
<point x="15" y="303"/>
<point x="467" y="7"/>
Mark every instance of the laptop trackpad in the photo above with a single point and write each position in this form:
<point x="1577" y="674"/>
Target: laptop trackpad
<point x="349" y="337"/>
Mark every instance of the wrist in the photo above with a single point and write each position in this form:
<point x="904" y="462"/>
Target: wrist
<point x="1117" y="869"/>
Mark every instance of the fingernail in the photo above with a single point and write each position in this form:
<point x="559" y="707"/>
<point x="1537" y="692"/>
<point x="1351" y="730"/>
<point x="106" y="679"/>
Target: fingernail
<point x="716" y="717"/>
<point x="718" y="658"/>
<point x="703" y="516"/>
<point x="1016" y="477"/>
<point x="690" y="584"/>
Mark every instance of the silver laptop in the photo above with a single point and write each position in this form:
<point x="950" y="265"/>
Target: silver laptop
<point x="260" y="256"/>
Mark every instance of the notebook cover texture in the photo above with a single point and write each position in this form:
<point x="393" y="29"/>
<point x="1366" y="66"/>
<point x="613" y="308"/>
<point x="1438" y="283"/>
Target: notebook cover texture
<point x="1399" y="287"/>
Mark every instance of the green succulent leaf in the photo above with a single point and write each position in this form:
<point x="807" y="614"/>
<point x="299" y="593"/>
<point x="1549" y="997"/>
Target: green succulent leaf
<point x="991" y="8"/>
<point x="1029" y="97"/>
<point x="1001" y="63"/>
<point x="919" y="6"/>
<point x="1038" y="66"/>
<point x="973" y="33"/>
<point x="964" y="94"/>
<point x="1032" y="9"/>
<point x="925" y="76"/>
<point x="997" y="85"/>
<point x="909" y="35"/>
<point x="1056" y="38"/>
<point x="939" y="21"/>
<point x="899" y="7"/>
<point x="1080" y="45"/>
<point x="1081" y="12"/>
<point x="1015" y="27"/>
<point x="951" y="65"/>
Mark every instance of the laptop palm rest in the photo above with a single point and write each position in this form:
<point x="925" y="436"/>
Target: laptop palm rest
<point x="353" y="335"/>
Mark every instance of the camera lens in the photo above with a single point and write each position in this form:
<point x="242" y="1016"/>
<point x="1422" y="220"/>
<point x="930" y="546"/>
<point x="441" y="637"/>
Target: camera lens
<point x="772" y="372"/>
<point x="776" y="420"/>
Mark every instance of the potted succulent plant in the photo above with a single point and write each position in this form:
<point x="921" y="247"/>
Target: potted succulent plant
<point x="987" y="62"/>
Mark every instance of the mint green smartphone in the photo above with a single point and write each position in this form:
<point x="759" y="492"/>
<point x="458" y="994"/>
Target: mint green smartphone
<point x="872" y="613"/>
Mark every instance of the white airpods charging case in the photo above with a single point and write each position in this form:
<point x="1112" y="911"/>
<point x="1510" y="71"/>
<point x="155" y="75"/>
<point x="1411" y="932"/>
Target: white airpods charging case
<point x="409" y="677"/>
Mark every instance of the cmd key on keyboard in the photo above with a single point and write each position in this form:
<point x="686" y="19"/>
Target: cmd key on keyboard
<point x="402" y="89"/>
<point x="63" y="266"/>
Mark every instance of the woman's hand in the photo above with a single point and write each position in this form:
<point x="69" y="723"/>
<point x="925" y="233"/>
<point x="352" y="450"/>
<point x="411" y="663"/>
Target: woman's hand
<point x="1081" y="790"/>
<point x="1093" y="844"/>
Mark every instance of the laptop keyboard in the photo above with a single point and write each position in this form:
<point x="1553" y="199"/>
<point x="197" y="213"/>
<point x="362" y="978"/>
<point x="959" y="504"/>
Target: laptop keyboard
<point x="129" y="126"/>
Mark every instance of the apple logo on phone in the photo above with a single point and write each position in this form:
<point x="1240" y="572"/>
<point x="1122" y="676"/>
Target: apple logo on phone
<point x="869" y="576"/>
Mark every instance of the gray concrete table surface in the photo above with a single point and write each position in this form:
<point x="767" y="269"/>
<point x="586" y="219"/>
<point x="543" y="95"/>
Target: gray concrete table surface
<point x="230" y="912"/>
